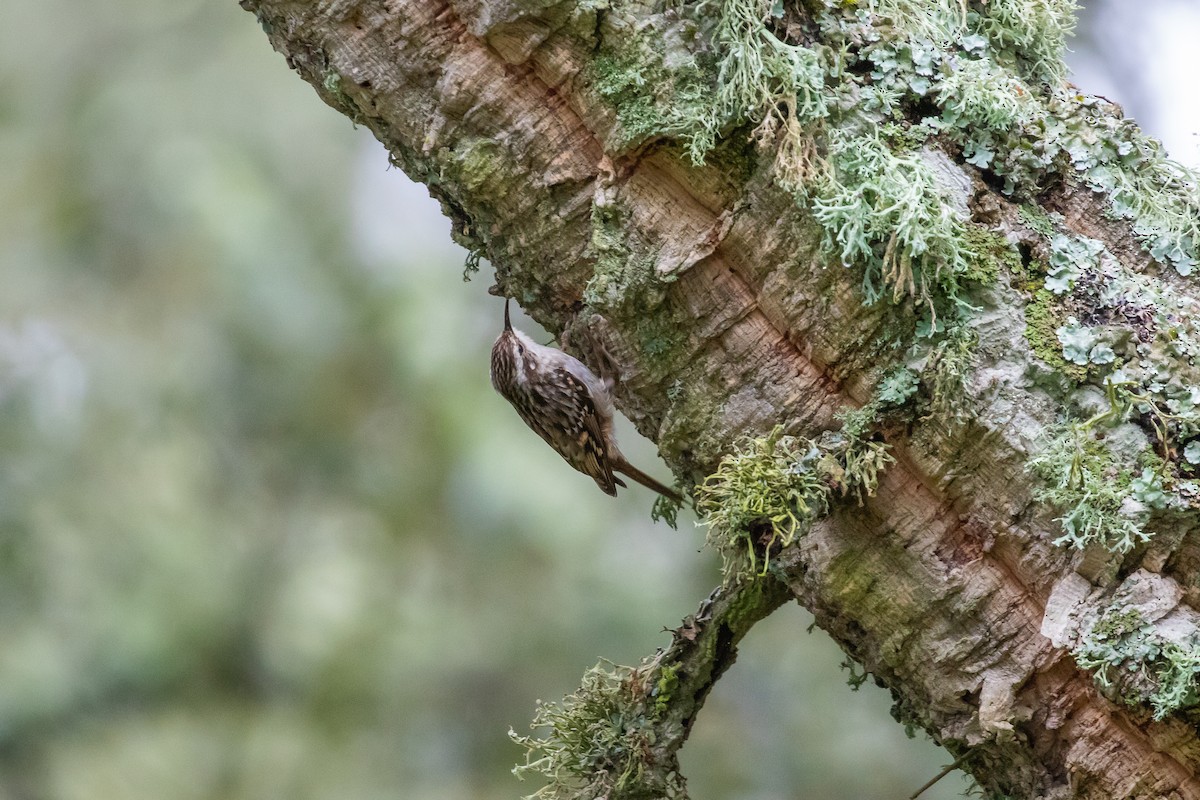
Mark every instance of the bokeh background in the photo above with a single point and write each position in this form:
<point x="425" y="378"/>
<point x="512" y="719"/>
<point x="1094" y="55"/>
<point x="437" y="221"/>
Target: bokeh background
<point x="265" y="530"/>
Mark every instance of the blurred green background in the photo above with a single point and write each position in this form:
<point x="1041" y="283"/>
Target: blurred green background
<point x="265" y="530"/>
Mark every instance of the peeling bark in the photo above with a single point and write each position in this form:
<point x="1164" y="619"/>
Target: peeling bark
<point x="945" y="585"/>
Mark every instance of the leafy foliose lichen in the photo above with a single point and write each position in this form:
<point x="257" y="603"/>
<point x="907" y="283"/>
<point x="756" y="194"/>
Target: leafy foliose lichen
<point x="599" y="740"/>
<point x="1024" y="133"/>
<point x="1142" y="343"/>
<point x="1127" y="654"/>
<point x="1100" y="323"/>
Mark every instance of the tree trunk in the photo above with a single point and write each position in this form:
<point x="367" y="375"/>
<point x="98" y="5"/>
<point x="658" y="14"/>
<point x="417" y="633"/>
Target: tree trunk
<point x="775" y="216"/>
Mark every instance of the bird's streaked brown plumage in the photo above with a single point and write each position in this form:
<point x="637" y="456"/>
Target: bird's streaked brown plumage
<point x="567" y="405"/>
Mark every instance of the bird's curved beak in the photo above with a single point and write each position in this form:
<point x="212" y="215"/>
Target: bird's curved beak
<point x="507" y="324"/>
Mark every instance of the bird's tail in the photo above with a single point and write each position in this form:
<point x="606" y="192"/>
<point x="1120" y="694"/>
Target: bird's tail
<point x="629" y="470"/>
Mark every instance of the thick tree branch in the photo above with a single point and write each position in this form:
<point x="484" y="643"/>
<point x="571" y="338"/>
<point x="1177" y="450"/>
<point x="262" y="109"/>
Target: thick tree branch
<point x="724" y="300"/>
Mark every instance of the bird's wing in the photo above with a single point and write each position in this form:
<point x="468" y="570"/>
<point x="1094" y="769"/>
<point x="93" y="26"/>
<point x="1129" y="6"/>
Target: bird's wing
<point x="568" y="422"/>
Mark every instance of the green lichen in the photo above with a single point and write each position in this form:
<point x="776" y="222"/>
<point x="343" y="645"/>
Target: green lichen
<point x="1139" y="344"/>
<point x="977" y="93"/>
<point x="770" y="490"/>
<point x="1029" y="135"/>
<point x="846" y="142"/>
<point x="854" y="678"/>
<point x="744" y="75"/>
<point x="993" y="254"/>
<point x="889" y="212"/>
<point x="667" y="683"/>
<point x="1159" y="196"/>
<point x="650" y="99"/>
<point x="763" y="494"/>
<point x="1038" y="221"/>
<point x="1043" y="319"/>
<point x="1127" y="654"/>
<point x="1035" y="32"/>
<point x="332" y="83"/>
<point x="1070" y="258"/>
<point x="480" y="162"/>
<point x="625" y="281"/>
<point x="665" y="510"/>
<point x="597" y="741"/>
<point x="1082" y="479"/>
<point x="1086" y="138"/>
<point x="856" y="469"/>
<point x="471" y="264"/>
<point x="624" y="271"/>
<point x="947" y="370"/>
<point x="890" y="400"/>
<point x="619" y="733"/>
<point x="777" y="86"/>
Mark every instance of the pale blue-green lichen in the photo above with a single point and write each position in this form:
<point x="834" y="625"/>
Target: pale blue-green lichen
<point x="988" y="78"/>
<point x="1070" y="257"/>
<point x="889" y="212"/>
<point x="1082" y="479"/>
<point x="1129" y="657"/>
<point x="993" y="73"/>
<point x="1140" y="344"/>
<point x="760" y="78"/>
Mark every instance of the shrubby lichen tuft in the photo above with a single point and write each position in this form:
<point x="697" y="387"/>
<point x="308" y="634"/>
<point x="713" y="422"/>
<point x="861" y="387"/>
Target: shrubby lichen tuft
<point x="846" y="124"/>
<point x="599" y="739"/>
<point x="1091" y="489"/>
<point x="760" y="79"/>
<point x="888" y="211"/>
<point x="947" y="371"/>
<point x="763" y="494"/>
<point x="1035" y="31"/>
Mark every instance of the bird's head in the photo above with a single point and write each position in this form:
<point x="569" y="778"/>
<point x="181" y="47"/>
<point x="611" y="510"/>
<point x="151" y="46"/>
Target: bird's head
<point x="507" y="356"/>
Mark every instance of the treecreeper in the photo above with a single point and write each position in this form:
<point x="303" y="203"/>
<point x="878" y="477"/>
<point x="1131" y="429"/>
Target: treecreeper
<point x="566" y="404"/>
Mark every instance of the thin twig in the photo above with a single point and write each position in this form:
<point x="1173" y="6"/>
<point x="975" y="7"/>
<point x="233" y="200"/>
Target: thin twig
<point x="957" y="763"/>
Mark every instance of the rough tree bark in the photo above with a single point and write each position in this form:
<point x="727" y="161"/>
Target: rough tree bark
<point x="604" y="158"/>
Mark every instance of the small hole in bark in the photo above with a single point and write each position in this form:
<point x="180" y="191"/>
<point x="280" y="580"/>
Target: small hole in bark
<point x="1026" y="253"/>
<point x="992" y="179"/>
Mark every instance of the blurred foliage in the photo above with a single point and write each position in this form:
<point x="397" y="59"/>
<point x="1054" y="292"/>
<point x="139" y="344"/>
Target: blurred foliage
<point x="265" y="530"/>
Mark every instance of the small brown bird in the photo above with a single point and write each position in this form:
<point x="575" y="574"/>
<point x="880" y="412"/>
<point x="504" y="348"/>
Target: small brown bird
<point x="565" y="404"/>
